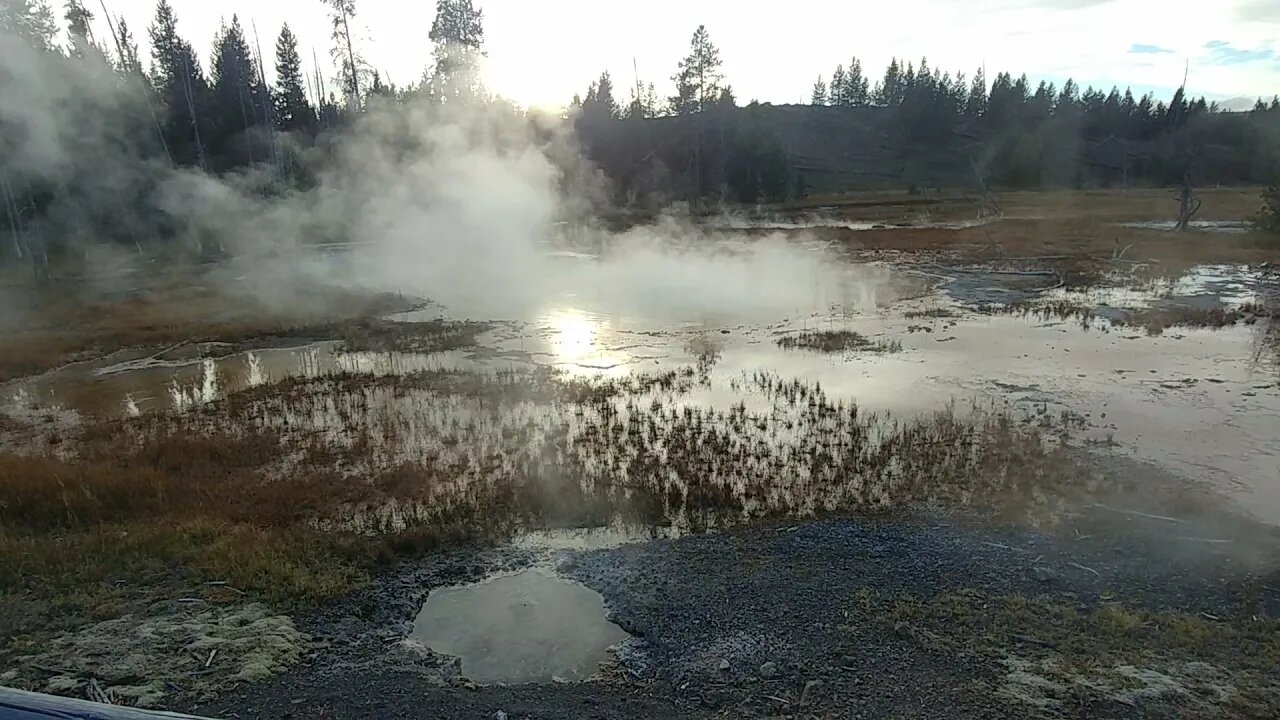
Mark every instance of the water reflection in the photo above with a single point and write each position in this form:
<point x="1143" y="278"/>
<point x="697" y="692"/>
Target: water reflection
<point x="158" y="383"/>
<point x="573" y="334"/>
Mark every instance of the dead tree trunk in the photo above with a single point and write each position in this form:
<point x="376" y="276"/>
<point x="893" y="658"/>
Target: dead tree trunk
<point x="191" y="109"/>
<point x="11" y="209"/>
<point x="988" y="206"/>
<point x="1188" y="204"/>
<point x="351" y="58"/>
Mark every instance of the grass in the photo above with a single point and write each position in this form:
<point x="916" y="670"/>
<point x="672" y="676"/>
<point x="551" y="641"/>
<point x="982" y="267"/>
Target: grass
<point x="932" y="313"/>
<point x="837" y="341"/>
<point x="1062" y="653"/>
<point x="377" y="335"/>
<point x="1154" y="320"/>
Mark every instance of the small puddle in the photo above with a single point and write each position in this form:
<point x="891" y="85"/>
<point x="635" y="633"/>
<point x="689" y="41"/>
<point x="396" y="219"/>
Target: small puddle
<point x="530" y="627"/>
<point x="1232" y="227"/>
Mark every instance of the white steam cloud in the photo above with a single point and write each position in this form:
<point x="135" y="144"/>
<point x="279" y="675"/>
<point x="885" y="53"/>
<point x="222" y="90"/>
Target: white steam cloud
<point x="462" y="204"/>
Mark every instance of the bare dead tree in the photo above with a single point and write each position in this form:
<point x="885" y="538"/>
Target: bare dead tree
<point x="988" y="206"/>
<point x="320" y="106"/>
<point x="1188" y="203"/>
<point x="155" y="119"/>
<point x="11" y="209"/>
<point x="268" y="108"/>
<point x="191" y="108"/>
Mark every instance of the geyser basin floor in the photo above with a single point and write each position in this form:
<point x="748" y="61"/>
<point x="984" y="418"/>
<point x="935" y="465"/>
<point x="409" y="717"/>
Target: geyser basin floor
<point x="530" y="627"/>
<point x="846" y="619"/>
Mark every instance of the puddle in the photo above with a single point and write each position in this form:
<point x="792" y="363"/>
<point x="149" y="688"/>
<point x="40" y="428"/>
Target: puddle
<point x="1231" y="227"/>
<point x="530" y="627"/>
<point x="816" y="222"/>
<point x="176" y="380"/>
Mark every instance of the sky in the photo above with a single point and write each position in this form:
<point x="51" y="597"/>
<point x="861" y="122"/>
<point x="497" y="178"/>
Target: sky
<point x="539" y="54"/>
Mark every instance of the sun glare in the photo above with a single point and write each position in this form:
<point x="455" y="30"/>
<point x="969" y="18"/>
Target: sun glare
<point x="573" y="334"/>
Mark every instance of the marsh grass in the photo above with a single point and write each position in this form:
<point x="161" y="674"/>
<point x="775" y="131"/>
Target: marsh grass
<point x="1154" y="320"/>
<point x="837" y="341"/>
<point x="297" y="492"/>
<point x="378" y="335"/>
<point x="932" y="313"/>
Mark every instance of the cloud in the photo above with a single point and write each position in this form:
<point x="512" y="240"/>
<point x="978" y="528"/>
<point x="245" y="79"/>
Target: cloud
<point x="1056" y="4"/>
<point x="1264" y="11"/>
<point x="1140" y="49"/>
<point x="1223" y="53"/>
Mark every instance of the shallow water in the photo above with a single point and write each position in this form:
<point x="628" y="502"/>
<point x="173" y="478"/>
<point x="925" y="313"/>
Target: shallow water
<point x="1233" y="227"/>
<point x="529" y="627"/>
<point x="1202" y="402"/>
<point x="180" y="380"/>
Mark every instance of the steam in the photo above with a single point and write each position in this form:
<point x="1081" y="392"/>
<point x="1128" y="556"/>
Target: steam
<point x="461" y="203"/>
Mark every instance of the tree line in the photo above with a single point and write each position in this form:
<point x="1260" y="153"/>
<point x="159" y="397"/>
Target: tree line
<point x="945" y="128"/>
<point x="1025" y="136"/>
<point x="694" y="144"/>
<point x="123" y="116"/>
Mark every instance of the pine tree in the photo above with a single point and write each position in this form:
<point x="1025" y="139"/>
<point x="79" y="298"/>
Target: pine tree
<point x="352" y="68"/>
<point x="238" y="101"/>
<point x="458" y="22"/>
<point x="1069" y="97"/>
<point x="180" y="87"/>
<point x="1176" y="114"/>
<point x="1003" y="104"/>
<point x="30" y="20"/>
<point x="975" y="105"/>
<point x="644" y="102"/>
<point x="293" y="112"/>
<point x="379" y="89"/>
<point x="129" y="63"/>
<point x="891" y="89"/>
<point x="819" y="96"/>
<point x="698" y="78"/>
<point x="78" y="19"/>
<point x="458" y="34"/>
<point x="856" y="93"/>
<point x="1041" y="104"/>
<point x="836" y="90"/>
<point x="600" y="105"/>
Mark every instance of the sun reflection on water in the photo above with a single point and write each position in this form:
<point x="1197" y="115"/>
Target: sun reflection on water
<point x="574" y="335"/>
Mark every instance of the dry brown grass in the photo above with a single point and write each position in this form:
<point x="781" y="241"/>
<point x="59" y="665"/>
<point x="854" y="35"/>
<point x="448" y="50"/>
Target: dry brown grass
<point x="1080" y="224"/>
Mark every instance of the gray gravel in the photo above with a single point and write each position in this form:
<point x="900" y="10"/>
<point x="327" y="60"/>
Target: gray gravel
<point x="753" y="622"/>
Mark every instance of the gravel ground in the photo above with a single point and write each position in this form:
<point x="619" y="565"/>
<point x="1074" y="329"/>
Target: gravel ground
<point x="763" y="622"/>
